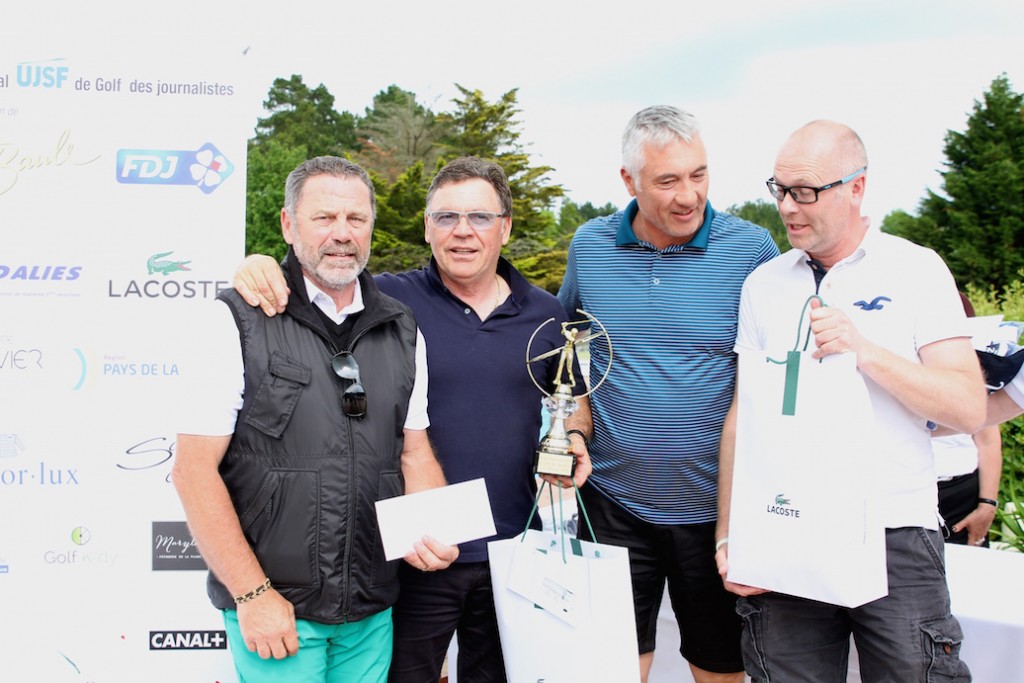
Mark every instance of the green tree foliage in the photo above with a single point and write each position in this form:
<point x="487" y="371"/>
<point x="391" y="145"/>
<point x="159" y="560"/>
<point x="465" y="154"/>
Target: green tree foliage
<point x="765" y="214"/>
<point x="301" y="117"/>
<point x="268" y="166"/>
<point x="490" y="130"/>
<point x="978" y="227"/>
<point x="398" y="132"/>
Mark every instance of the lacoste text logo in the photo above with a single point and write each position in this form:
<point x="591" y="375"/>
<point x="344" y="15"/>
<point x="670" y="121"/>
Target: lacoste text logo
<point x="875" y="305"/>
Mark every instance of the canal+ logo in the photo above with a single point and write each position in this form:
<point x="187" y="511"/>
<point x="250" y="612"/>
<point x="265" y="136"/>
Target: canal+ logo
<point x="206" y="167"/>
<point x="47" y="73"/>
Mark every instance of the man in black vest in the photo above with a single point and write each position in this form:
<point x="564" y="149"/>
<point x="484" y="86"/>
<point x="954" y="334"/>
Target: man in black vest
<point x="320" y="412"/>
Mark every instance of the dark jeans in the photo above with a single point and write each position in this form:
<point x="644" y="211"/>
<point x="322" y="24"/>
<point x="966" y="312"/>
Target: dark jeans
<point x="909" y="636"/>
<point x="434" y="605"/>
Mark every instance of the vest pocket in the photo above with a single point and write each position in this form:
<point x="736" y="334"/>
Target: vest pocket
<point x="282" y="525"/>
<point x="391" y="485"/>
<point x="277" y="394"/>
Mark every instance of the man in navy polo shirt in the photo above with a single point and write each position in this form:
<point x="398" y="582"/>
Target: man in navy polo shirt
<point x="476" y="313"/>
<point x="664" y="277"/>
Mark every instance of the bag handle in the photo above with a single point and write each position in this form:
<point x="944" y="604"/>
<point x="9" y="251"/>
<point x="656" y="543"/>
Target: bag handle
<point x="792" y="361"/>
<point x="561" y="514"/>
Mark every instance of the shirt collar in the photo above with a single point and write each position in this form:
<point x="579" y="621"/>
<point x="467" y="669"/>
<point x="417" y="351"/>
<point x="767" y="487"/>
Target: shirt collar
<point x="625" y="235"/>
<point x="326" y="304"/>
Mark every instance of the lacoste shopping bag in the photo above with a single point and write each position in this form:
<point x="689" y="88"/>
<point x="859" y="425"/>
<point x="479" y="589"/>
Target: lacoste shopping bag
<point x="801" y="514"/>
<point x="565" y="609"/>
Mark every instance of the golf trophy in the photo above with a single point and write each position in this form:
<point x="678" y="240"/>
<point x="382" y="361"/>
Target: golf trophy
<point x="553" y="454"/>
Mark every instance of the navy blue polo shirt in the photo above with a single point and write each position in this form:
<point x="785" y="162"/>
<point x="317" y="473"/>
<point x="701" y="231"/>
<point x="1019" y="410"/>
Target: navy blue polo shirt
<point x="485" y="412"/>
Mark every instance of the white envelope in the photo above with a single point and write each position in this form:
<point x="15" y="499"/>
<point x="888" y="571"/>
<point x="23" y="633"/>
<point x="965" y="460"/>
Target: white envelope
<point x="452" y="514"/>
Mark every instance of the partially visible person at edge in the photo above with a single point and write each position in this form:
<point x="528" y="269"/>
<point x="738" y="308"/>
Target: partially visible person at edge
<point x="968" y="468"/>
<point x="1007" y="403"/>
<point x="916" y="358"/>
<point x="664" y="277"/>
<point x="477" y="314"/>
<point x="302" y="422"/>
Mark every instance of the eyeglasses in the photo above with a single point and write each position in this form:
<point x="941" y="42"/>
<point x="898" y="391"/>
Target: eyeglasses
<point x="353" y="399"/>
<point x="807" y="195"/>
<point x="478" y="220"/>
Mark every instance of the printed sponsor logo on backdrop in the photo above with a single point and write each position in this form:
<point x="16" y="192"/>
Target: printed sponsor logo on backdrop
<point x="21" y="158"/>
<point x="40" y="279"/>
<point x="77" y="551"/>
<point x="4" y="567"/>
<point x="154" y="453"/>
<point x="43" y="73"/>
<point x="205" y="168"/>
<point x="188" y="640"/>
<point x="172" y="279"/>
<point x="19" y="470"/>
<point x="174" y="548"/>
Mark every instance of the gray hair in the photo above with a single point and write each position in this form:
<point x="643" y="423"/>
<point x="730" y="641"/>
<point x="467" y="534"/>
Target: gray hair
<point x="469" y="168"/>
<point x="659" y="125"/>
<point x="325" y="165"/>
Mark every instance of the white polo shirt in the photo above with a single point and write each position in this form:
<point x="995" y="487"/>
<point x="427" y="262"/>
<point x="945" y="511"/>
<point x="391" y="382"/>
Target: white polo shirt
<point x="213" y="410"/>
<point x="899" y="295"/>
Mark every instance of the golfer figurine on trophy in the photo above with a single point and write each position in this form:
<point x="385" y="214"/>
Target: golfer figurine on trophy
<point x="553" y="454"/>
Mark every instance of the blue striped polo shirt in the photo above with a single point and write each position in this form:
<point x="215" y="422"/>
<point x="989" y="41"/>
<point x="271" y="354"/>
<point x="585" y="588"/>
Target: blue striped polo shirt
<point x="671" y="315"/>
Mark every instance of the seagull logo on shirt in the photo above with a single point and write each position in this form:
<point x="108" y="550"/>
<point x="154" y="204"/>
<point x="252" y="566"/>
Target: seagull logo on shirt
<point x="875" y="305"/>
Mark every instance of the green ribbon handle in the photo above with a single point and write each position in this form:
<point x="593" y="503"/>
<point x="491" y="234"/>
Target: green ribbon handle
<point x="792" y="361"/>
<point x="792" y="377"/>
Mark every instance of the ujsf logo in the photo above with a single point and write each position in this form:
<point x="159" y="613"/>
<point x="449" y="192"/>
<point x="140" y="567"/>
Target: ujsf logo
<point x="206" y="168"/>
<point x="42" y="74"/>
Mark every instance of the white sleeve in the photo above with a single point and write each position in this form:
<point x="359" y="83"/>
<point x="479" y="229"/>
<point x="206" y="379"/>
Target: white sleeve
<point x="213" y="395"/>
<point x="1015" y="389"/>
<point x="417" y="415"/>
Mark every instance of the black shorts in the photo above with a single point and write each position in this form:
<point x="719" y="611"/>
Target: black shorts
<point x="683" y="555"/>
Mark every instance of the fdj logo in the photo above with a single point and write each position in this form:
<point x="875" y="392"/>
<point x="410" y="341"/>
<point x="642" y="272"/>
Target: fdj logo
<point x="205" y="168"/>
<point x="44" y="74"/>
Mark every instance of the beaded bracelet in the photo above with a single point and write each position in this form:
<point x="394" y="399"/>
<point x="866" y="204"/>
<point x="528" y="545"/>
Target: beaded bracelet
<point x="254" y="593"/>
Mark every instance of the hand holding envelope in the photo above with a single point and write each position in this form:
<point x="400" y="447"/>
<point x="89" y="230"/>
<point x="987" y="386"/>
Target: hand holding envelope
<point x="450" y="514"/>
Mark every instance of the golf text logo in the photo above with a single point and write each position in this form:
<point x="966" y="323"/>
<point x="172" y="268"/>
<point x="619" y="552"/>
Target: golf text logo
<point x="79" y="555"/>
<point x="164" y="288"/>
<point x="782" y="508"/>
<point x="206" y="168"/>
<point x="174" y="548"/>
<point x="47" y="73"/>
<point x="188" y="640"/>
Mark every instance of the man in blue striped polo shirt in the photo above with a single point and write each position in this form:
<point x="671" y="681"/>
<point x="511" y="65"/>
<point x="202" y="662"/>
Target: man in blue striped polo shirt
<point x="664" y="277"/>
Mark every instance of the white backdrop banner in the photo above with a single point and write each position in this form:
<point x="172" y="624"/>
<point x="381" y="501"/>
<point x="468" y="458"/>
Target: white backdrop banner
<point x="122" y="209"/>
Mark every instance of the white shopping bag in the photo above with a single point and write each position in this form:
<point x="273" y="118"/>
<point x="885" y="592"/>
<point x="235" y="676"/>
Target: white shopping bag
<point x="586" y="630"/>
<point x="802" y="517"/>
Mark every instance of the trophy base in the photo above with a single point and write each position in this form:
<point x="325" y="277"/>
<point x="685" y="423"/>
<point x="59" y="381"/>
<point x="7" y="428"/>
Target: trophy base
<point x="554" y="463"/>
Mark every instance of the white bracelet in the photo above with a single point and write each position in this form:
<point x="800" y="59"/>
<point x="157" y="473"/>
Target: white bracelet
<point x="720" y="543"/>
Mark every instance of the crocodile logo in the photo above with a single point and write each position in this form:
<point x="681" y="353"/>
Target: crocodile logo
<point x="157" y="264"/>
<point x="781" y="499"/>
<point x="875" y="304"/>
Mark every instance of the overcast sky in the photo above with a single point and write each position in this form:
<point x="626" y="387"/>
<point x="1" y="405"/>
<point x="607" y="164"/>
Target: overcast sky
<point x="901" y="73"/>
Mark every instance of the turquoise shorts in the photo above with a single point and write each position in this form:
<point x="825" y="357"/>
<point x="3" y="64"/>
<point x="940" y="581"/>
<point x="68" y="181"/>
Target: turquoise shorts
<point x="328" y="653"/>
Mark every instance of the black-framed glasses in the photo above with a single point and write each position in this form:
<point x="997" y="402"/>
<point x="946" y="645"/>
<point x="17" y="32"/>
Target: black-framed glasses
<point x="353" y="399"/>
<point x="807" y="195"/>
<point x="478" y="220"/>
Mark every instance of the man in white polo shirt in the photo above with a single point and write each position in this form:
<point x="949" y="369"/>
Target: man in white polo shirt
<point x="895" y="305"/>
